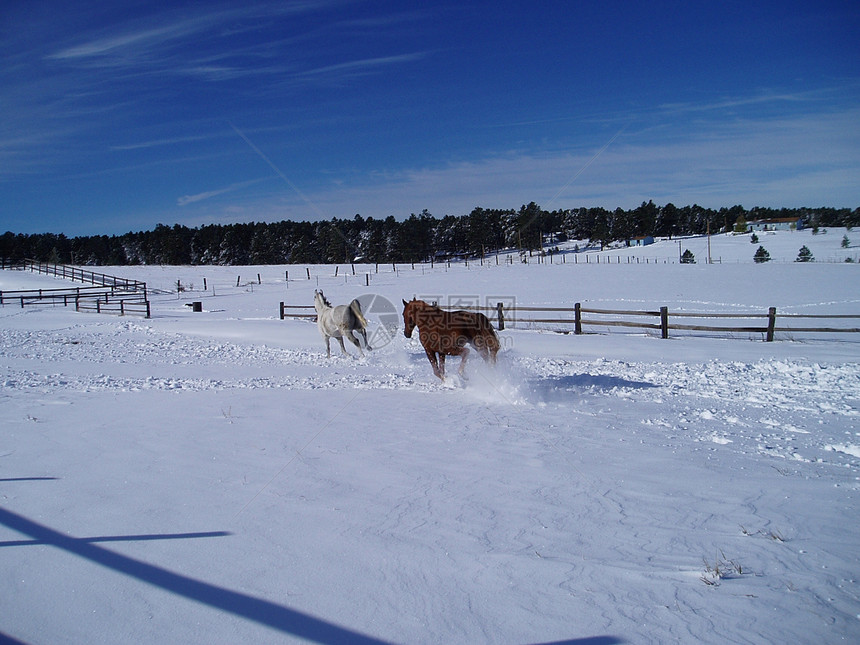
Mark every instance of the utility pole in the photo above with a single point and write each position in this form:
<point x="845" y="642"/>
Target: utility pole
<point x="709" y="241"/>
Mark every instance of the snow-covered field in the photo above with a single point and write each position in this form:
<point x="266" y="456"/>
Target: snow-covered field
<point x="212" y="478"/>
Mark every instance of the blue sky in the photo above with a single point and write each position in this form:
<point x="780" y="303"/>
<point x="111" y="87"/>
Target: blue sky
<point x="115" y="117"/>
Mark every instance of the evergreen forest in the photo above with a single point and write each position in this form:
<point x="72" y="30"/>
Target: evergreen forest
<point x="417" y="238"/>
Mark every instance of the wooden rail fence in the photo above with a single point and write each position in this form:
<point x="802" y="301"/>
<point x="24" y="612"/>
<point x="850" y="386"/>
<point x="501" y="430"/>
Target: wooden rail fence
<point x="662" y="320"/>
<point x="661" y="317"/>
<point x="76" y="274"/>
<point x="109" y="294"/>
<point x="297" y="311"/>
<point x="94" y="299"/>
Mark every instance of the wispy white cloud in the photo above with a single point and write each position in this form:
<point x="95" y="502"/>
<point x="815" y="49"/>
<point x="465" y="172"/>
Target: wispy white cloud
<point x="736" y="102"/>
<point x="358" y="67"/>
<point x="209" y="194"/>
<point x="804" y="160"/>
<point x="140" y="40"/>
<point x="156" y="143"/>
<point x="145" y="37"/>
<point x="202" y="46"/>
<point x="794" y="161"/>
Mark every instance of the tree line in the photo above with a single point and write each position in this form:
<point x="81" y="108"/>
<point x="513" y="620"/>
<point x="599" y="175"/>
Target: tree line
<point x="417" y="238"/>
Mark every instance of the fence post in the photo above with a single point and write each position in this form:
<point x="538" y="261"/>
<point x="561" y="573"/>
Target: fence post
<point x="577" y="318"/>
<point x="282" y="310"/>
<point x="664" y="322"/>
<point x="501" y="314"/>
<point x="771" y="323"/>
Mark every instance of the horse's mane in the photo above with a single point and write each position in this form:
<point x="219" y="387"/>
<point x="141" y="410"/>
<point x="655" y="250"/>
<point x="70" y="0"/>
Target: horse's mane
<point x="423" y="304"/>
<point x="324" y="299"/>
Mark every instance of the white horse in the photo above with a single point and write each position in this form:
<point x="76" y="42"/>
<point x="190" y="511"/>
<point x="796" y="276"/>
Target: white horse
<point x="340" y="322"/>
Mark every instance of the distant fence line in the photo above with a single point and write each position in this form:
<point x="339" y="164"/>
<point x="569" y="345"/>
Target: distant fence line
<point x="508" y="315"/>
<point x="109" y="294"/>
<point x="76" y="274"/>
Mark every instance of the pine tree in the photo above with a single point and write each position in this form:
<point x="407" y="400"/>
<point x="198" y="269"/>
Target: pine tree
<point x="529" y="225"/>
<point x="688" y="257"/>
<point x="805" y="255"/>
<point x="845" y="242"/>
<point x="761" y="255"/>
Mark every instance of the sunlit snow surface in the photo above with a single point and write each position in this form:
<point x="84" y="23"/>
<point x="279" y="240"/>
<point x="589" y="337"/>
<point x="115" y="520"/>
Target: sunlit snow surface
<point x="213" y="478"/>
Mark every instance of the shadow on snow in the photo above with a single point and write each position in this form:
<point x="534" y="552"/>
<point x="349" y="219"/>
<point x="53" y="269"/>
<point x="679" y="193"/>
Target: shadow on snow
<point x="255" y="609"/>
<point x="552" y="388"/>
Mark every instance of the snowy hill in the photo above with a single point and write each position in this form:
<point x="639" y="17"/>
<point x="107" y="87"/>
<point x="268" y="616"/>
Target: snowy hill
<point x="783" y="246"/>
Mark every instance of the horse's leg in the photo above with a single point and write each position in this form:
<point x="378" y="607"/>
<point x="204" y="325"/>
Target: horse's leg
<point x="441" y="373"/>
<point x="494" y="346"/>
<point x="352" y="338"/>
<point x="482" y="351"/>
<point x="342" y="348"/>
<point x="328" y="346"/>
<point x="431" y="356"/>
<point x="465" y="354"/>
<point x="487" y="346"/>
<point x="363" y="333"/>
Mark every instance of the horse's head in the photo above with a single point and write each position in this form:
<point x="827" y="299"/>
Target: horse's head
<point x="320" y="301"/>
<point x="409" y="317"/>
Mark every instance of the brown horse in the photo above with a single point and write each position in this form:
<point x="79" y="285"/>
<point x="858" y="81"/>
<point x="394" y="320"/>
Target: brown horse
<point x="448" y="332"/>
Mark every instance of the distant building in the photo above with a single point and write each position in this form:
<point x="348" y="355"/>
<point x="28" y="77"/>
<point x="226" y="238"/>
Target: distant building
<point x="645" y="240"/>
<point x="783" y="224"/>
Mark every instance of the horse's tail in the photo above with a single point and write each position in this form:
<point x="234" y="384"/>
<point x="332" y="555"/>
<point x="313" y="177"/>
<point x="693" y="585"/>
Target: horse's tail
<point x="355" y="306"/>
